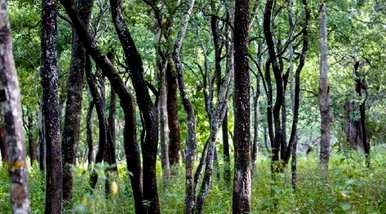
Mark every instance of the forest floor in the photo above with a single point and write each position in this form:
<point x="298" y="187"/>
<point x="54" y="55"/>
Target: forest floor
<point x="351" y="188"/>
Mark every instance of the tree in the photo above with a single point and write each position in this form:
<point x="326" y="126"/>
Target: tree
<point x="71" y="129"/>
<point x="49" y="80"/>
<point x="324" y="90"/>
<point x="242" y="169"/>
<point x="13" y="136"/>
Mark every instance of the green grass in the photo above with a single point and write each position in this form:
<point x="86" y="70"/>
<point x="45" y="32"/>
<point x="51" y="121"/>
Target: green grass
<point x="351" y="188"/>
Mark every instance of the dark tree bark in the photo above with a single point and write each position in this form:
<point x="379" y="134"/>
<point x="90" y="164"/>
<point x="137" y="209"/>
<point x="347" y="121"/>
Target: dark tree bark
<point x="242" y="172"/>
<point x="89" y="139"/>
<point x="3" y="147"/>
<point x="132" y="154"/>
<point x="174" y="125"/>
<point x="13" y="136"/>
<point x="324" y="97"/>
<point x="31" y="140"/>
<point x="296" y="105"/>
<point x="256" y="118"/>
<point x="148" y="109"/>
<point x="71" y="128"/>
<point x="42" y="141"/>
<point x="131" y="148"/>
<point x="100" y="109"/>
<point x="360" y="88"/>
<point x="281" y="152"/>
<point x="111" y="130"/>
<point x="278" y="131"/>
<point x="49" y="75"/>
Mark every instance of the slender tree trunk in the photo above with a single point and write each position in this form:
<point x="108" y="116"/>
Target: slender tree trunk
<point x="42" y="141"/>
<point x="148" y="108"/>
<point x="294" y="165"/>
<point x="111" y="121"/>
<point x="111" y="134"/>
<point x="204" y="189"/>
<point x="324" y="97"/>
<point x="227" y="160"/>
<point x="71" y="128"/>
<point x="164" y="131"/>
<point x="13" y="136"/>
<point x="3" y="147"/>
<point x="172" y="113"/>
<point x="132" y="154"/>
<point x="360" y="85"/>
<point x="190" y="116"/>
<point x="242" y="172"/>
<point x="100" y="109"/>
<point x="131" y="148"/>
<point x="256" y="123"/>
<point x="31" y="143"/>
<point x="89" y="139"/>
<point x="49" y="75"/>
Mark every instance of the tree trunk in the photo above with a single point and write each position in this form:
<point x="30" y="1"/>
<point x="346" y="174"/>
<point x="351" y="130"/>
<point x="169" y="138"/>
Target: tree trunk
<point x="190" y="145"/>
<point x="3" y="146"/>
<point x="111" y="121"/>
<point x="100" y="109"/>
<point x="256" y="116"/>
<point x="242" y="172"/>
<point x="42" y="140"/>
<point x="71" y="128"/>
<point x="324" y="97"/>
<point x="31" y="143"/>
<point x="131" y="150"/>
<point x="148" y="108"/>
<point x="360" y="85"/>
<point x="49" y="75"/>
<point x="225" y="138"/>
<point x="89" y="139"/>
<point x="13" y="136"/>
<point x="164" y="131"/>
<point x="172" y="113"/>
<point x="133" y="158"/>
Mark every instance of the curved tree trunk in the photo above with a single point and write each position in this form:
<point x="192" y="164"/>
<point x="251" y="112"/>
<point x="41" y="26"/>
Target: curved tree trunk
<point x="13" y="136"/>
<point x="100" y="109"/>
<point x="89" y="140"/>
<point x="71" y="128"/>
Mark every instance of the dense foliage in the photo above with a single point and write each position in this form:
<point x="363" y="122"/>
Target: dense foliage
<point x="357" y="59"/>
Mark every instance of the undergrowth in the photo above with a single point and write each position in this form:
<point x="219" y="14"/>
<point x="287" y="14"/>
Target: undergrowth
<point x="351" y="188"/>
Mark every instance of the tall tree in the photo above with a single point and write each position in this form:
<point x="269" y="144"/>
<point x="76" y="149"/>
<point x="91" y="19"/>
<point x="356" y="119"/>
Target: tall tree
<point x="189" y="110"/>
<point x="324" y="90"/>
<point x="13" y="136"/>
<point x="148" y="108"/>
<point x="242" y="169"/>
<point x="71" y="129"/>
<point x="174" y="124"/>
<point x="126" y="102"/>
<point x="49" y="78"/>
